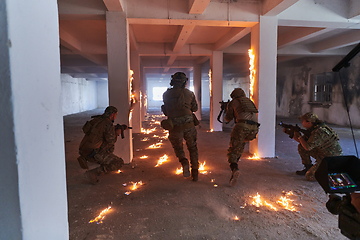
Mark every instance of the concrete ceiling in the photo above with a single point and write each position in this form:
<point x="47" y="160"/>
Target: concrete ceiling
<point x="176" y="34"/>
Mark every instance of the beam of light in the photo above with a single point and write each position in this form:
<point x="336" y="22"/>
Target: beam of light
<point x="254" y="157"/>
<point x="144" y="157"/>
<point x="155" y="145"/>
<point x="162" y="160"/>
<point x="202" y="168"/>
<point x="101" y="216"/>
<point x="210" y="82"/>
<point x="148" y="131"/>
<point x="252" y="72"/>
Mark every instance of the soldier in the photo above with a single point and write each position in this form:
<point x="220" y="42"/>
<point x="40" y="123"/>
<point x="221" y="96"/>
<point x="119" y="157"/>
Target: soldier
<point x="179" y="105"/>
<point x="323" y="142"/>
<point x="98" y="145"/>
<point x="244" y="113"/>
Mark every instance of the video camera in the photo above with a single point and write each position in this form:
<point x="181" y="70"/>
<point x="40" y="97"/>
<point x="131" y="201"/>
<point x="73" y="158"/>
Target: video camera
<point x="341" y="175"/>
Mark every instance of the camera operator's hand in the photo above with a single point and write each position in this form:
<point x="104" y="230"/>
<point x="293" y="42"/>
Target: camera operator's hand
<point x="355" y="201"/>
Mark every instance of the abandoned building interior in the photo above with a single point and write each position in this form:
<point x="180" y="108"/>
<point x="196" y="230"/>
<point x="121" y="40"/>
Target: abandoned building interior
<point x="66" y="60"/>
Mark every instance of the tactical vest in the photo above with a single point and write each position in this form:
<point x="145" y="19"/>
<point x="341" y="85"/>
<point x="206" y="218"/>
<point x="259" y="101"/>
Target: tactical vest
<point x="177" y="102"/>
<point x="331" y="139"/>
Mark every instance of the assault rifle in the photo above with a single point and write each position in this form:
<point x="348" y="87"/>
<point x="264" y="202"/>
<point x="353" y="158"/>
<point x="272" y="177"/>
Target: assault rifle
<point x="223" y="109"/>
<point x="291" y="129"/>
<point x="122" y="127"/>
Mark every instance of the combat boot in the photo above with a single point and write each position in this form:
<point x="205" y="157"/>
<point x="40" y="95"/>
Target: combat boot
<point x="235" y="173"/>
<point x="303" y="172"/>
<point x="82" y="162"/>
<point x="195" y="175"/>
<point x="185" y="165"/>
<point x="91" y="175"/>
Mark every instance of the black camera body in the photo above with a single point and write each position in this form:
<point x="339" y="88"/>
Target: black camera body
<point x="340" y="176"/>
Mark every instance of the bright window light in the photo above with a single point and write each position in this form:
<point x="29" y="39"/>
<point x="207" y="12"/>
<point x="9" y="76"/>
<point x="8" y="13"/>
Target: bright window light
<point x="158" y="93"/>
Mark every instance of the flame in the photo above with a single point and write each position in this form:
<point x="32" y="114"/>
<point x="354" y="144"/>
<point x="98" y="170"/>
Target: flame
<point x="236" y="218"/>
<point x="202" y="168"/>
<point x="119" y="171"/>
<point x="162" y="160"/>
<point x="179" y="171"/>
<point x="283" y="201"/>
<point x="252" y="72"/>
<point x="286" y="203"/>
<point x="136" y="185"/>
<point x="155" y="145"/>
<point x="101" y="216"/>
<point x="258" y="202"/>
<point x="143" y="157"/>
<point x="211" y="130"/>
<point x="147" y="131"/>
<point x="131" y="87"/>
<point x="254" y="157"/>
<point x="145" y="139"/>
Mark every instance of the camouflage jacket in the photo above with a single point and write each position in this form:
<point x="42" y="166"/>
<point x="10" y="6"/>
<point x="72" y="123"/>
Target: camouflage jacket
<point x="99" y="136"/>
<point x="179" y="102"/>
<point x="324" y="140"/>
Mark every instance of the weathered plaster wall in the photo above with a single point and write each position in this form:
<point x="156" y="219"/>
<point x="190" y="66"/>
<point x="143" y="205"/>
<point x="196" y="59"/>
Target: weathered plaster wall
<point x="293" y="90"/>
<point x="77" y="94"/>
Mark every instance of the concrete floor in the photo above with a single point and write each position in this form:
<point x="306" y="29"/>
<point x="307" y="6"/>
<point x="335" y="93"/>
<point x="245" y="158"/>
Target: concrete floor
<point x="168" y="206"/>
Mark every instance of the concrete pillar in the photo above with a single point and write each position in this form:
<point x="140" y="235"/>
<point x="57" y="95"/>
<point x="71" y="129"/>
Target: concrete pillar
<point x="264" y="45"/>
<point x="118" y="73"/>
<point x="135" y="66"/>
<point x="32" y="173"/>
<point x="197" y="88"/>
<point x="216" y="67"/>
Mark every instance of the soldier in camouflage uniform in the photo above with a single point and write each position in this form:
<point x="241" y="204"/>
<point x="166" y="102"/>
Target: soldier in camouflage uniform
<point x="244" y="113"/>
<point x="323" y="142"/>
<point x="98" y="145"/>
<point x="179" y="105"/>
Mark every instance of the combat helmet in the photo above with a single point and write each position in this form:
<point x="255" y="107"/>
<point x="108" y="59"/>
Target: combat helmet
<point x="237" y="92"/>
<point x="110" y="110"/>
<point x="178" y="79"/>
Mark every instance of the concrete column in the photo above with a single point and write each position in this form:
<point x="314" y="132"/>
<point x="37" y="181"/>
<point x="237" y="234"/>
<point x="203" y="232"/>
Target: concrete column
<point x="216" y="66"/>
<point x="32" y="173"/>
<point x="197" y="88"/>
<point x="118" y="72"/>
<point x="264" y="45"/>
<point x="135" y="66"/>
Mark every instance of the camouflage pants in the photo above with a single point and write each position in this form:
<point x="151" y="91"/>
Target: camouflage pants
<point x="306" y="160"/>
<point x="190" y="135"/>
<point x="108" y="161"/>
<point x="240" y="134"/>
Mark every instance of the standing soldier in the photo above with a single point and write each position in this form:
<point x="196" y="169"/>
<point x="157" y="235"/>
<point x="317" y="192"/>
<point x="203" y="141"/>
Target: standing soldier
<point x="98" y="145"/>
<point x="179" y="105"/>
<point x="244" y="113"/>
<point x="322" y="142"/>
